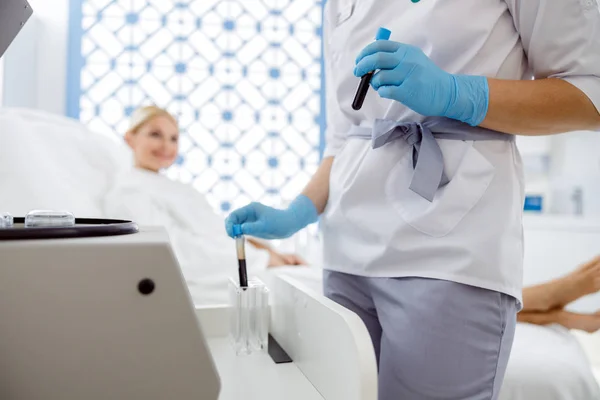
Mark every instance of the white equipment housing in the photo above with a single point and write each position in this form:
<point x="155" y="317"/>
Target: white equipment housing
<point x="74" y="325"/>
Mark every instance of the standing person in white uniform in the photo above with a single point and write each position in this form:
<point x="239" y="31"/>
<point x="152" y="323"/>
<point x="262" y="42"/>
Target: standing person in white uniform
<point x="421" y="190"/>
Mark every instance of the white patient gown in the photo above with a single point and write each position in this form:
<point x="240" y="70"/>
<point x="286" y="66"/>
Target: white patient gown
<point x="205" y="253"/>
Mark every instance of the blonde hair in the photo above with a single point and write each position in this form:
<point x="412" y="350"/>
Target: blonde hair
<point x="144" y="114"/>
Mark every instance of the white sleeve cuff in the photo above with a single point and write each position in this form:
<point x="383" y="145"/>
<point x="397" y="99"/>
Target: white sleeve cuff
<point x="331" y="151"/>
<point x="588" y="84"/>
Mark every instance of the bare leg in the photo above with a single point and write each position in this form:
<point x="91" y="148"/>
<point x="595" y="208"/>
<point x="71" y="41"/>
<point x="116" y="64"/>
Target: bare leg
<point x="558" y="293"/>
<point x="585" y="322"/>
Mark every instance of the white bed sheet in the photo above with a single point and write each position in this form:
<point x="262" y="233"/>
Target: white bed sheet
<point x="548" y="363"/>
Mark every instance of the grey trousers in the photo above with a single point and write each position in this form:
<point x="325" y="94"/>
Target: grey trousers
<point x="433" y="339"/>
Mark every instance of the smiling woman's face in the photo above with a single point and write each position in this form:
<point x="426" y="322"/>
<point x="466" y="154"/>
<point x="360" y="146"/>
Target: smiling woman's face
<point x="155" y="143"/>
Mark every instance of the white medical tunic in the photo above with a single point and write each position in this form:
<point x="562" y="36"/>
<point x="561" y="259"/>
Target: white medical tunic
<point x="471" y="233"/>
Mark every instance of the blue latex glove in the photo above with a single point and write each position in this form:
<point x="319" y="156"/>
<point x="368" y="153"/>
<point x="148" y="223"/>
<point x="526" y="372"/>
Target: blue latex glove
<point x="407" y="75"/>
<point x="269" y="223"/>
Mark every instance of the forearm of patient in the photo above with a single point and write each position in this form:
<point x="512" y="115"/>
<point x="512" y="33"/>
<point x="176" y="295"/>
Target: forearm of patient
<point x="276" y="258"/>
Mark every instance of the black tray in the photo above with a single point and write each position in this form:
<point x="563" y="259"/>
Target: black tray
<point x="84" y="227"/>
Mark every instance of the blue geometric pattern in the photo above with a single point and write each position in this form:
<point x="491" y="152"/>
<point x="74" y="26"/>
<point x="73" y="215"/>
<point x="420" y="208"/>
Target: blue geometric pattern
<point x="242" y="76"/>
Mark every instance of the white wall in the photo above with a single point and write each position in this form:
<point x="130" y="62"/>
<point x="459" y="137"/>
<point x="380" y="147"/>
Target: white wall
<point x="20" y="69"/>
<point x="573" y="161"/>
<point x="36" y="64"/>
<point x="576" y="163"/>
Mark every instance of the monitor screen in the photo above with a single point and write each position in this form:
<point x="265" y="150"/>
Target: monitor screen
<point x="13" y="16"/>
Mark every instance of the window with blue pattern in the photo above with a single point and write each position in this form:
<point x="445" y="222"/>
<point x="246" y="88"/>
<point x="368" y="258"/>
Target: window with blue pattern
<point x="242" y="76"/>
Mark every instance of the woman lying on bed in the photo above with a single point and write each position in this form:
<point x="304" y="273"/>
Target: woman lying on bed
<point x="205" y="253"/>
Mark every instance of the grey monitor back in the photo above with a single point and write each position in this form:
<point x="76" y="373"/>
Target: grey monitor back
<point x="13" y="16"/>
<point x="75" y="322"/>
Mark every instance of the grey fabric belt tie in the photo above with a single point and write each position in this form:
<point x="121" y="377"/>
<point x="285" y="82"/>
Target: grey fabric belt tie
<point x="427" y="158"/>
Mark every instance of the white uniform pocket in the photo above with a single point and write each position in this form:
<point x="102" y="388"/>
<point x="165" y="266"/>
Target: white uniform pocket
<point x="470" y="174"/>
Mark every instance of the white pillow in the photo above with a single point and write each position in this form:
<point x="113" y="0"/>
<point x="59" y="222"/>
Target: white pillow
<point x="52" y="162"/>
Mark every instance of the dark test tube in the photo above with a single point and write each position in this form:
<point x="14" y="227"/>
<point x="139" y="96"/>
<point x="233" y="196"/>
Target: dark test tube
<point x="365" y="80"/>
<point x="241" y="256"/>
<point x="243" y="273"/>
<point x="362" y="90"/>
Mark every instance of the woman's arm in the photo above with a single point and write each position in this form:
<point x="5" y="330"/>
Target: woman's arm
<point x="266" y="222"/>
<point x="277" y="259"/>
<point x="539" y="107"/>
<point x="259" y="244"/>
<point x="318" y="188"/>
<point x="561" y="42"/>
